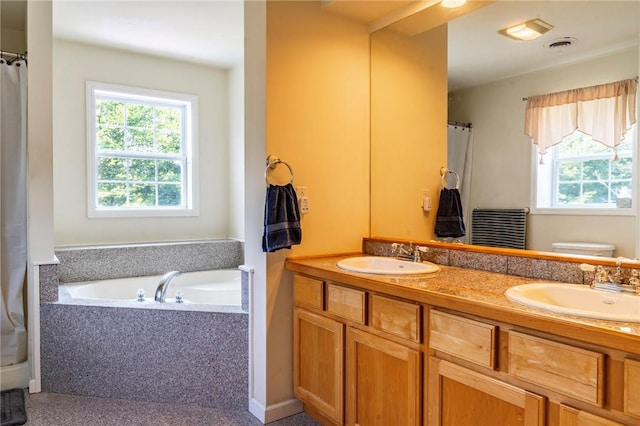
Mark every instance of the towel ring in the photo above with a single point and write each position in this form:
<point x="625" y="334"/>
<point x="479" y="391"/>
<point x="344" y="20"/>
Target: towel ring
<point x="444" y="179"/>
<point x="272" y="163"/>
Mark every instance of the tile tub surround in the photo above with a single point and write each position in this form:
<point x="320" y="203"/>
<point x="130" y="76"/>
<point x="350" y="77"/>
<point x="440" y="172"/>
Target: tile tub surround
<point x="91" y="263"/>
<point x="132" y="260"/>
<point x="157" y="355"/>
<point x="48" y="280"/>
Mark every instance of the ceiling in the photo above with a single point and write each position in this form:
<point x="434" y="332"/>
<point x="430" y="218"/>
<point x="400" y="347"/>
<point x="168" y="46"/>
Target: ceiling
<point x="209" y="32"/>
<point x="212" y="32"/>
<point x="478" y="54"/>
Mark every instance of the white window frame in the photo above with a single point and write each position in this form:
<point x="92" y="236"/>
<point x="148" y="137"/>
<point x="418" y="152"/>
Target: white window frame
<point x="190" y="192"/>
<point x="547" y="180"/>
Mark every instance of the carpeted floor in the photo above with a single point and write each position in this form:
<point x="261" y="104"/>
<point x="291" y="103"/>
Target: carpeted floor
<point x="49" y="409"/>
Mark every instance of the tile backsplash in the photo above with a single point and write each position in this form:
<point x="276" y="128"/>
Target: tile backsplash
<point x="530" y="267"/>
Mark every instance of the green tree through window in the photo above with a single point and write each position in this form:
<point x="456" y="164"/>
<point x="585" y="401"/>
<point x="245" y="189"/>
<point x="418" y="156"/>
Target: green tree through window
<point x="587" y="173"/>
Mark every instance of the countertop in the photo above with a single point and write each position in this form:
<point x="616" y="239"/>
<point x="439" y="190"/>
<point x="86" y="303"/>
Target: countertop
<point x="478" y="293"/>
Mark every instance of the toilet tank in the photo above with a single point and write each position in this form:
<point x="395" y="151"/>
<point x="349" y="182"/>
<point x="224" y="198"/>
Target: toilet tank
<point x="587" y="249"/>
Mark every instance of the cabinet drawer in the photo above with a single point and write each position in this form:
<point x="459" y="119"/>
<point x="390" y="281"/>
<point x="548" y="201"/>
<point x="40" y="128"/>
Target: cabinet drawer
<point x="575" y="372"/>
<point x="395" y="317"/>
<point x="308" y="292"/>
<point x="464" y="338"/>
<point x="632" y="388"/>
<point x="346" y="303"/>
<point x="569" y="416"/>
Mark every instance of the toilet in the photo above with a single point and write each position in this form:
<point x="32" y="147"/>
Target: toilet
<point x="586" y="249"/>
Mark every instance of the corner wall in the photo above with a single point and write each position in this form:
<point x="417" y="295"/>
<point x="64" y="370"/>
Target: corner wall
<point x="307" y="102"/>
<point x="74" y="64"/>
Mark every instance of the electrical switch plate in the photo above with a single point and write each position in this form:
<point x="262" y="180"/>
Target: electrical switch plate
<point x="304" y="205"/>
<point x="425" y="200"/>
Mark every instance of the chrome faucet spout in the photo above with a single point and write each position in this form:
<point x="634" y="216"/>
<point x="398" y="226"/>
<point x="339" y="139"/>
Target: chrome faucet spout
<point x="412" y="253"/>
<point x="608" y="280"/>
<point x="161" y="290"/>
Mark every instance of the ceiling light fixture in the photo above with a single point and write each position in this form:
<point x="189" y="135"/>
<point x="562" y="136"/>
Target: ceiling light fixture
<point x="529" y="30"/>
<point x="452" y="3"/>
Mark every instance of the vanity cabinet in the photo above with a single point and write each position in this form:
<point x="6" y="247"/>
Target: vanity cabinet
<point x="524" y="378"/>
<point x="367" y="354"/>
<point x="357" y="358"/>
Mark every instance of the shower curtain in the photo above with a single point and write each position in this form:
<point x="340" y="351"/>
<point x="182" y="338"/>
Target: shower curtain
<point x="459" y="159"/>
<point x="13" y="210"/>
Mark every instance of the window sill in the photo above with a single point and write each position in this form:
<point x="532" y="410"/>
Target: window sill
<point x="139" y="213"/>
<point x="584" y="212"/>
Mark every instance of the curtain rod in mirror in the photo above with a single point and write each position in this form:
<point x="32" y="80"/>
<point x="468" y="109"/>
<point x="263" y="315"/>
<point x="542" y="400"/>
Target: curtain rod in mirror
<point x="526" y="99"/>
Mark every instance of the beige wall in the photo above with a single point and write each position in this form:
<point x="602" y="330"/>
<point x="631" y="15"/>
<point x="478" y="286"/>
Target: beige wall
<point x="312" y="73"/>
<point x="408" y="138"/>
<point x="76" y="63"/>
<point x="318" y="119"/>
<point x="502" y="154"/>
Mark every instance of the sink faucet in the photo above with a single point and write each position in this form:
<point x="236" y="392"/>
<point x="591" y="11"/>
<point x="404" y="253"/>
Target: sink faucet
<point x="161" y="290"/>
<point x="613" y="281"/>
<point x="412" y="253"/>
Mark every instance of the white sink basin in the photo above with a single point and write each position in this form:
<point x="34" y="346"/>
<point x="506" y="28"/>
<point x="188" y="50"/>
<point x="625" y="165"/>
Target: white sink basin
<point x="386" y="266"/>
<point x="578" y="300"/>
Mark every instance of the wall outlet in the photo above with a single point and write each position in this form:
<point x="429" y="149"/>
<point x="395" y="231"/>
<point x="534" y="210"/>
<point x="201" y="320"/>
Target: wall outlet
<point x="301" y="191"/>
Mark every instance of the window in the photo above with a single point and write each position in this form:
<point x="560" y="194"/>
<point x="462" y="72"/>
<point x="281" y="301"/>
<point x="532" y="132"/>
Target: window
<point x="580" y="173"/>
<point x="141" y="153"/>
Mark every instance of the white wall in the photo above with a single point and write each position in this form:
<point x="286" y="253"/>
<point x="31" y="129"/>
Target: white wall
<point x="502" y="152"/>
<point x="39" y="117"/>
<point x="236" y="153"/>
<point x="76" y="63"/>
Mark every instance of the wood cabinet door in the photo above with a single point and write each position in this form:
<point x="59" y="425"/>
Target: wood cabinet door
<point x="459" y="396"/>
<point x="383" y="381"/>
<point x="318" y="359"/>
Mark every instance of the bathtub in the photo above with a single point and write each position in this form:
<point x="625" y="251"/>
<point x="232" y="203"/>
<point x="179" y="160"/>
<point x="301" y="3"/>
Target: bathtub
<point x="214" y="287"/>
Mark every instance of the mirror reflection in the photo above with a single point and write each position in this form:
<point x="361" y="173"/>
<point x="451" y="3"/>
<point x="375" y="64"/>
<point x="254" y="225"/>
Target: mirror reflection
<point x="488" y="77"/>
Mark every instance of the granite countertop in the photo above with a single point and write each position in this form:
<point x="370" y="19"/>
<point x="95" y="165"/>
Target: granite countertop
<point x="475" y="292"/>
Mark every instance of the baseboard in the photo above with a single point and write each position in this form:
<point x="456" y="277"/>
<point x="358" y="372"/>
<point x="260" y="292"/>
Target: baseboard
<point x="275" y="411"/>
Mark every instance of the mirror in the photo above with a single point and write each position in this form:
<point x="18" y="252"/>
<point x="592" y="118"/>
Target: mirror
<point x="409" y="130"/>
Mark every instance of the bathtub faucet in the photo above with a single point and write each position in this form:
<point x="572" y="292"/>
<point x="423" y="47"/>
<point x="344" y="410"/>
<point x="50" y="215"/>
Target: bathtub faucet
<point x="161" y="291"/>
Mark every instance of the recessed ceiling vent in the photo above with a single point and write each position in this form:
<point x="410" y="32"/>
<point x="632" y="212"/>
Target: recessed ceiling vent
<point x="561" y="44"/>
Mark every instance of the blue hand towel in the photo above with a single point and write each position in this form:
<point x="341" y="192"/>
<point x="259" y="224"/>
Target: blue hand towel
<point x="449" y="222"/>
<point x="281" y="218"/>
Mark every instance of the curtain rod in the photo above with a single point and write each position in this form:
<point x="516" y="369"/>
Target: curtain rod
<point x="12" y="57"/>
<point x="526" y="99"/>
<point x="457" y="123"/>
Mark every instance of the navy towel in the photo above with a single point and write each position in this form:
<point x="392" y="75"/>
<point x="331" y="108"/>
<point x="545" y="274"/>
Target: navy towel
<point x="281" y="218"/>
<point x="449" y="223"/>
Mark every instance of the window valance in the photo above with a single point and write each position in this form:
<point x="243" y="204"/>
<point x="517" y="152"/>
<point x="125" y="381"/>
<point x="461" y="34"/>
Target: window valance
<point x="605" y="112"/>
